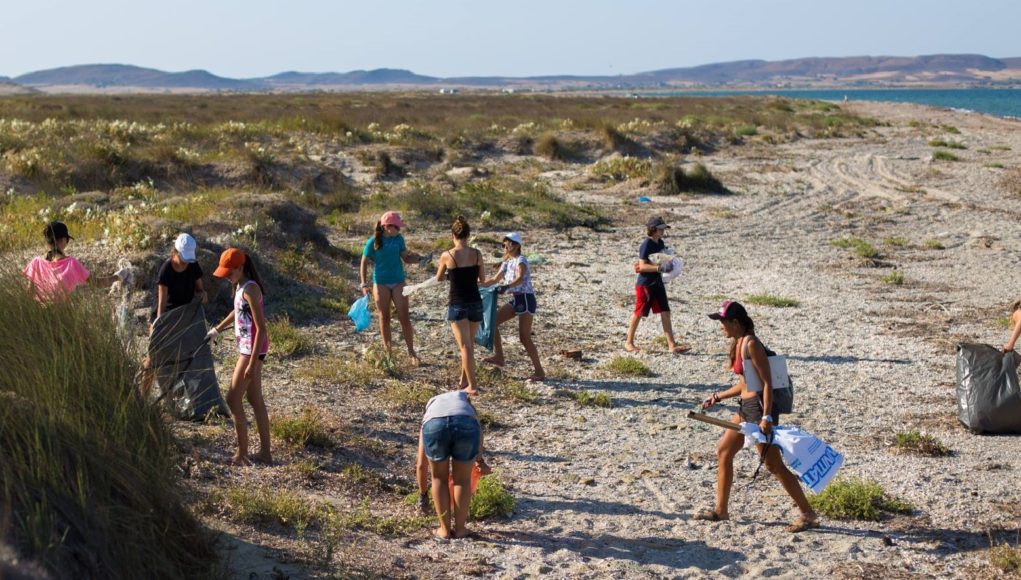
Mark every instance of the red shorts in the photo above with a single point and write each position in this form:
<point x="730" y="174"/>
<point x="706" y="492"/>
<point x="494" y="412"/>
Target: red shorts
<point x="651" y="298"/>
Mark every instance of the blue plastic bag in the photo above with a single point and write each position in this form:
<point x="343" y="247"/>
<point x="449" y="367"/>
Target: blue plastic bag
<point x="359" y="313"/>
<point x="490" y="306"/>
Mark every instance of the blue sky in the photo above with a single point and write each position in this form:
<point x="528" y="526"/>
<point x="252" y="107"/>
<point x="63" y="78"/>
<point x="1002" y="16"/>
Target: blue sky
<point x="248" y="38"/>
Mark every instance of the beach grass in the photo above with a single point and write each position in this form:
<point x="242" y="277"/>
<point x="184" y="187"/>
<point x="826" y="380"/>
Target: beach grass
<point x="858" y="246"/>
<point x="895" y="278"/>
<point x="627" y="366"/>
<point x="857" y="499"/>
<point x="305" y="430"/>
<point x="593" y="399"/>
<point x="913" y="441"/>
<point x="942" y="155"/>
<point x="772" y="300"/>
<point x="89" y="467"/>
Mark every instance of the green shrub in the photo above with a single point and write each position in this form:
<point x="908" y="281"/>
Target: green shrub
<point x="746" y="131"/>
<point x="855" y="499"/>
<point x="950" y="129"/>
<point x="89" y="470"/>
<point x="288" y="340"/>
<point x="772" y="300"/>
<point x="1006" y="558"/>
<point x="303" y="431"/>
<point x="933" y="244"/>
<point x="628" y="366"/>
<point x="941" y="155"/>
<point x="590" y="399"/>
<point x="896" y="241"/>
<point x="947" y="144"/>
<point x="859" y="246"/>
<point x="671" y="179"/>
<point x="622" y="168"/>
<point x="264" y="505"/>
<point x="491" y="499"/>
<point x="912" y="441"/>
<point x="896" y="278"/>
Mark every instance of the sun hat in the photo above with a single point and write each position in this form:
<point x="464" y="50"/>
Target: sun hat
<point x="56" y="230"/>
<point x="231" y="259"/>
<point x="185" y="246"/>
<point x="656" y="222"/>
<point x="392" y="218"/>
<point x="729" y="310"/>
<point x="514" y="237"/>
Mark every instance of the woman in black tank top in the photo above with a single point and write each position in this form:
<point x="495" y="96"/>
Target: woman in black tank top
<point x="464" y="267"/>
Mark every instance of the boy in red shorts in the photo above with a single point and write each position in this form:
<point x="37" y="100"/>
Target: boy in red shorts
<point x="650" y="291"/>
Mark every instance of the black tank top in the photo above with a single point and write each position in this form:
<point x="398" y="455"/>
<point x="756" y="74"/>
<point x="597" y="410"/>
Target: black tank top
<point x="464" y="283"/>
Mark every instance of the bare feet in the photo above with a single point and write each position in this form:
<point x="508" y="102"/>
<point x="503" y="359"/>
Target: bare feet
<point x="710" y="516"/>
<point x="631" y="348"/>
<point x="413" y="358"/>
<point x="264" y="457"/>
<point x="497" y="362"/>
<point x="240" y="460"/>
<point x="537" y="378"/>
<point x="442" y="534"/>
<point x="804" y="522"/>
<point x="472" y="391"/>
<point x="679" y="348"/>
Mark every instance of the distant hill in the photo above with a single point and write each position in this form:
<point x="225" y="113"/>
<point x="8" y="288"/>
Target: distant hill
<point x="9" y="87"/>
<point x="860" y="71"/>
<point x="120" y="75"/>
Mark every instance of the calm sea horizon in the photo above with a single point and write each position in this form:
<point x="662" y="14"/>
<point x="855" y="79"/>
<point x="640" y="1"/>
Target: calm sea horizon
<point x="1000" y="102"/>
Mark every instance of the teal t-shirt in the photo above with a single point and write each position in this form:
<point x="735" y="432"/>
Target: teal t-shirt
<point x="387" y="259"/>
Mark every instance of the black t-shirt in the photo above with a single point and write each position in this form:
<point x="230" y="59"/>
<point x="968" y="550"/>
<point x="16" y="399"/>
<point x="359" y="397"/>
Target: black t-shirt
<point x="180" y="285"/>
<point x="648" y="248"/>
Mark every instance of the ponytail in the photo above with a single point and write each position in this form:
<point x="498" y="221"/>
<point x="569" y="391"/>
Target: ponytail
<point x="251" y="273"/>
<point x="377" y="239"/>
<point x="460" y="229"/>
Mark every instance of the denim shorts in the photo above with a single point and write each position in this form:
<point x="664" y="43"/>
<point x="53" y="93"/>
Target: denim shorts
<point x="523" y="303"/>
<point x="473" y="312"/>
<point x="457" y="437"/>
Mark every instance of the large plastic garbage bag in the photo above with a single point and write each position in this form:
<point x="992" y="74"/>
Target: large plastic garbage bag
<point x="988" y="398"/>
<point x="359" y="313"/>
<point x="182" y="363"/>
<point x="490" y="305"/>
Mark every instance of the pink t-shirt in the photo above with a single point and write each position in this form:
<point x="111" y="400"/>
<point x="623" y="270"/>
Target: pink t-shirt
<point x="55" y="280"/>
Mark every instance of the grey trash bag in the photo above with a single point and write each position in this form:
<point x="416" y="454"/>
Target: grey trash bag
<point x="183" y="364"/>
<point x="988" y="398"/>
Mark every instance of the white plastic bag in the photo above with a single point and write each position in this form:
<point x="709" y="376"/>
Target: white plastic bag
<point x="810" y="458"/>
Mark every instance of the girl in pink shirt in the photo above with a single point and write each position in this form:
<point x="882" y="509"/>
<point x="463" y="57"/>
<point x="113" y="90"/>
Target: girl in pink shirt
<point x="56" y="275"/>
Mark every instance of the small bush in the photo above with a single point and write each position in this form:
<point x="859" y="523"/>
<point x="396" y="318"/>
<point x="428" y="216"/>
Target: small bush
<point x="671" y="179"/>
<point x="947" y="144"/>
<point x="288" y="340"/>
<point x="303" y="431"/>
<point x="746" y="131"/>
<point x="933" y="244"/>
<point x="263" y="505"/>
<point x="855" y="499"/>
<point x="912" y="441"/>
<point x="772" y="300"/>
<point x="622" y="168"/>
<point x="896" y="241"/>
<point x="950" y="129"/>
<point x="1006" y="558"/>
<point x="550" y="147"/>
<point x="590" y="399"/>
<point x="859" y="246"/>
<point x="613" y="139"/>
<point x="896" y="278"/>
<point x="628" y="366"/>
<point x="491" y="499"/>
<point x="941" y="155"/>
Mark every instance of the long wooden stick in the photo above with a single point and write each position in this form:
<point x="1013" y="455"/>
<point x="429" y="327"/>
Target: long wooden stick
<point x="713" y="420"/>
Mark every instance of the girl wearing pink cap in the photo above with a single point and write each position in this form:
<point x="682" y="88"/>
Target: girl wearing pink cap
<point x="388" y="252"/>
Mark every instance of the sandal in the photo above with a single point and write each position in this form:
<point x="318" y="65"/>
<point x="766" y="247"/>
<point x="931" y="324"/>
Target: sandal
<point x="709" y="516"/>
<point x="803" y="523"/>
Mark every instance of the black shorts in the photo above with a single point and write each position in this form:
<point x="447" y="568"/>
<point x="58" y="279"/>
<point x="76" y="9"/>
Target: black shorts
<point x="751" y="411"/>
<point x="523" y="303"/>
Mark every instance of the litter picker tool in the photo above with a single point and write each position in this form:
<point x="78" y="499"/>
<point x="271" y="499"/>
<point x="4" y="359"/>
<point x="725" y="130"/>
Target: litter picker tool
<point x="714" y="421"/>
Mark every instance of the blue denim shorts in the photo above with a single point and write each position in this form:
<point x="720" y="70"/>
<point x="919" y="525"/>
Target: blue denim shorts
<point x="473" y="312"/>
<point x="457" y="437"/>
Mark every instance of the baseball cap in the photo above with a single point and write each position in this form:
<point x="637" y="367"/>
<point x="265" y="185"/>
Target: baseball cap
<point x="514" y="237"/>
<point x="656" y="222"/>
<point x="230" y="259"/>
<point x="185" y="245"/>
<point x="56" y="230"/>
<point x="392" y="218"/>
<point x="729" y="310"/>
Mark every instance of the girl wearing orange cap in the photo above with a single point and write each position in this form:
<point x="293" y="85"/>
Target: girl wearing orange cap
<point x="387" y="251"/>
<point x="253" y="344"/>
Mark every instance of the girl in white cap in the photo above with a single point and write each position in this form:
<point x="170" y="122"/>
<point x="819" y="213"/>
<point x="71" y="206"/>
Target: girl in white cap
<point x="180" y="277"/>
<point x="388" y="252"/>
<point x="516" y="275"/>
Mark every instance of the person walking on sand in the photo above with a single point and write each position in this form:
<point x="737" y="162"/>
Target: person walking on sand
<point x="650" y="291"/>
<point x="748" y="355"/>
<point x="55" y="275"/>
<point x="252" y="338"/>
<point x="464" y="266"/>
<point x="388" y="252"/>
<point x="451" y="438"/>
<point x="516" y="274"/>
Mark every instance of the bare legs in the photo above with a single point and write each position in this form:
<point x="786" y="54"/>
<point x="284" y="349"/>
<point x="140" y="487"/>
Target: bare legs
<point x="464" y="334"/>
<point x="668" y="330"/>
<point x="384" y="297"/>
<point x="240" y="388"/>
<point x="506" y="313"/>
<point x="442" y="499"/>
